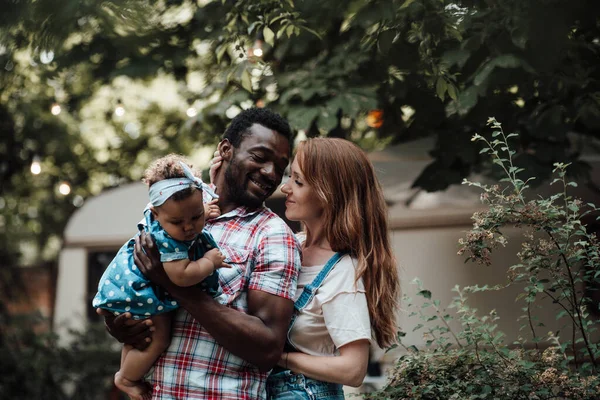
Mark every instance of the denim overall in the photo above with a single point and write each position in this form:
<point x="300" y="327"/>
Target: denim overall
<point x="286" y="385"/>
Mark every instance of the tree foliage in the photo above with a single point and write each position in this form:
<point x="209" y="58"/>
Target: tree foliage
<point x="375" y="72"/>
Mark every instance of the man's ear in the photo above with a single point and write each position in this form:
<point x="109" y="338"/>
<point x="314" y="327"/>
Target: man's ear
<point x="226" y="150"/>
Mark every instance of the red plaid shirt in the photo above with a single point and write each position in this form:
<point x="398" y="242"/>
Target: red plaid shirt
<point x="265" y="256"/>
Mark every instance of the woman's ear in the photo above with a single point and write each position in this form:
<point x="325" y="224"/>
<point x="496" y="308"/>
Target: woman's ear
<point x="154" y="212"/>
<point x="225" y="150"/>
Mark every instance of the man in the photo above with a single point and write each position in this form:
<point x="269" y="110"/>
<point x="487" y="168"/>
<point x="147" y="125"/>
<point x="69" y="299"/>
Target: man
<point x="223" y="348"/>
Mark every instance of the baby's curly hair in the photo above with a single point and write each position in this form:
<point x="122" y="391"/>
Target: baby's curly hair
<point x="168" y="167"/>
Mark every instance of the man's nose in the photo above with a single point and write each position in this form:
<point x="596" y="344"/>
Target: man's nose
<point x="269" y="171"/>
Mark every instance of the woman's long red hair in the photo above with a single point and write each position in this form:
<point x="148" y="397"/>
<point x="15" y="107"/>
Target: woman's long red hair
<point x="355" y="215"/>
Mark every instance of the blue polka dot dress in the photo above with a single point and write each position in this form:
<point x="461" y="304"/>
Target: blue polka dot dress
<point x="123" y="288"/>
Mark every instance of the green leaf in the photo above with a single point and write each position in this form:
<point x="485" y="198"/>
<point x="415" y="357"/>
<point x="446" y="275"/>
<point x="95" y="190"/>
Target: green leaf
<point x="467" y="99"/>
<point x="452" y="92"/>
<point x="289" y="30"/>
<point x="407" y="3"/>
<point x="280" y="32"/>
<point x="317" y="34"/>
<point x="253" y="26"/>
<point x="301" y="117"/>
<point x="561" y="314"/>
<point x="503" y="61"/>
<point x="269" y="35"/>
<point x="483" y="73"/>
<point x="456" y="57"/>
<point x="425" y="293"/>
<point x="385" y="40"/>
<point x="220" y="51"/>
<point x="440" y="88"/>
<point x="507" y="61"/>
<point x="246" y="80"/>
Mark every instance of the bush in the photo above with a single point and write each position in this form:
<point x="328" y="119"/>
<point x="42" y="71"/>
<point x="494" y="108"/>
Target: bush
<point x="34" y="366"/>
<point x="559" y="260"/>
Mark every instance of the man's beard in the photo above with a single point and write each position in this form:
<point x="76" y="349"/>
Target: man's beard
<point x="238" y="190"/>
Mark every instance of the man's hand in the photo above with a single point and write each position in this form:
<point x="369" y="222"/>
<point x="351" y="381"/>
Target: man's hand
<point x="147" y="259"/>
<point x="137" y="333"/>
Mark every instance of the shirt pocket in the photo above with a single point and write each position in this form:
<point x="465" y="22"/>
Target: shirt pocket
<point x="234" y="280"/>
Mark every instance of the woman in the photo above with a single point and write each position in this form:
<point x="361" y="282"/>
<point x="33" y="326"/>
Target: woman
<point x="334" y="192"/>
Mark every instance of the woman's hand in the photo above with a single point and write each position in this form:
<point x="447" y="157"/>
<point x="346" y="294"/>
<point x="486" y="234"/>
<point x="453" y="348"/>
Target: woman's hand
<point x="283" y="360"/>
<point x="348" y="368"/>
<point x="215" y="164"/>
<point x="137" y="333"/>
<point x="147" y="259"/>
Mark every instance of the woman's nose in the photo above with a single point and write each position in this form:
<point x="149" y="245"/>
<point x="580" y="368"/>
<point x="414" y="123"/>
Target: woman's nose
<point x="285" y="189"/>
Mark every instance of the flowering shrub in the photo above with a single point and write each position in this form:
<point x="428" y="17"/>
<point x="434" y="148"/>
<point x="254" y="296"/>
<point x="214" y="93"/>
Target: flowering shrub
<point x="559" y="260"/>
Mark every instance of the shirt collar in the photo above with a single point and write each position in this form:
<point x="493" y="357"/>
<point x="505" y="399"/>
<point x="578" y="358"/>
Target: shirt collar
<point x="241" y="211"/>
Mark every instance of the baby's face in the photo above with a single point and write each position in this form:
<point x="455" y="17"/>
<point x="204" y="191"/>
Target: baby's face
<point x="182" y="219"/>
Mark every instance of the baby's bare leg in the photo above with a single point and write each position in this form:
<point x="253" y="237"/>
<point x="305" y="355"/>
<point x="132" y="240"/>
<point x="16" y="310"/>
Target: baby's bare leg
<point x="135" y="363"/>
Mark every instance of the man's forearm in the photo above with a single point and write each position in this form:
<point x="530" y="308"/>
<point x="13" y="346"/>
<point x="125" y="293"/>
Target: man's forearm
<point x="259" y="342"/>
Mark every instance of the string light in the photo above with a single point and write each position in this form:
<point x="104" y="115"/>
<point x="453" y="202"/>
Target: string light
<point x="64" y="188"/>
<point x="55" y="109"/>
<point x="46" y="57"/>
<point x="119" y="109"/>
<point x="36" y="167"/>
<point x="191" y="112"/>
<point x="256" y="50"/>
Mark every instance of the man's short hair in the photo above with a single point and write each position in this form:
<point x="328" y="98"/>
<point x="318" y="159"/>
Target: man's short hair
<point x="241" y="124"/>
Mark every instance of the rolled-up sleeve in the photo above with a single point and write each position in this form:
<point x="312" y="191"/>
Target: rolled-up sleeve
<point x="276" y="261"/>
<point x="347" y="318"/>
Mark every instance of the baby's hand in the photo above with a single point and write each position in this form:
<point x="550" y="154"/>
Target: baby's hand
<point x="215" y="164"/>
<point x="217" y="258"/>
<point x="211" y="209"/>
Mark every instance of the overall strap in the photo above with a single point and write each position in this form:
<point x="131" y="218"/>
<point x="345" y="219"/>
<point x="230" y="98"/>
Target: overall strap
<point x="311" y="289"/>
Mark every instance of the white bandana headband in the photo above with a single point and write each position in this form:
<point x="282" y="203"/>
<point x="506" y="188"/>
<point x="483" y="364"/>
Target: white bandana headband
<point x="161" y="191"/>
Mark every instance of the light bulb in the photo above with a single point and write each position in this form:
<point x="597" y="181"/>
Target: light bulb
<point x="119" y="111"/>
<point x="256" y="50"/>
<point x="64" y="188"/>
<point x="36" y="167"/>
<point x="191" y="112"/>
<point x="46" y="57"/>
<point x="55" y="109"/>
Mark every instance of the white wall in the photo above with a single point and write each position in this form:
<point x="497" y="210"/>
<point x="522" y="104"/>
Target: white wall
<point x="430" y="254"/>
<point x="71" y="300"/>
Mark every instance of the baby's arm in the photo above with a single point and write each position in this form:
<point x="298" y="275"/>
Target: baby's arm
<point x="188" y="273"/>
